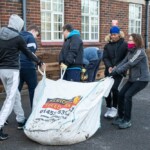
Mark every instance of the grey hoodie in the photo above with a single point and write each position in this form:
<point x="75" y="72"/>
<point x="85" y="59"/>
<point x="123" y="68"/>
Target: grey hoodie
<point x="15" y="22"/>
<point x="11" y="43"/>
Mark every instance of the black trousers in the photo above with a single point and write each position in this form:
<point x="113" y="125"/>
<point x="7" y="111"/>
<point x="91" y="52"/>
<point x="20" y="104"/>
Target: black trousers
<point x="125" y="98"/>
<point x="29" y="76"/>
<point x="112" y="99"/>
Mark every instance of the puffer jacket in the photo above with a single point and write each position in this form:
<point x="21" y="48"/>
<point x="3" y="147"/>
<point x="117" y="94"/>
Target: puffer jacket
<point x="114" y="52"/>
<point x="137" y="63"/>
<point x="72" y="51"/>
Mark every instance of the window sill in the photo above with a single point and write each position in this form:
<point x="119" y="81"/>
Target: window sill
<point x="61" y="43"/>
<point x="91" y="43"/>
<point x="51" y="43"/>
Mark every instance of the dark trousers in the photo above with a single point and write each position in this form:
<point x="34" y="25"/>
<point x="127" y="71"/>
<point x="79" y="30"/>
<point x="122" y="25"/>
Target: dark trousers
<point x="73" y="75"/>
<point x="91" y="70"/>
<point x="125" y="98"/>
<point x="30" y="77"/>
<point x="112" y="99"/>
<point x="93" y="67"/>
<point x="100" y="55"/>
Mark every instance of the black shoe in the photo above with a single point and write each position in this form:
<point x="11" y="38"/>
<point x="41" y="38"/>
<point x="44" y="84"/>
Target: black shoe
<point x="21" y="125"/>
<point x="125" y="124"/>
<point x="2" y="135"/>
<point x="6" y="123"/>
<point x="117" y="121"/>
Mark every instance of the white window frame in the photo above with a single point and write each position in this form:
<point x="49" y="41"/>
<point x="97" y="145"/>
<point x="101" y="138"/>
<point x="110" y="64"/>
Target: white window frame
<point x="52" y="13"/>
<point x="90" y="20"/>
<point x="136" y="25"/>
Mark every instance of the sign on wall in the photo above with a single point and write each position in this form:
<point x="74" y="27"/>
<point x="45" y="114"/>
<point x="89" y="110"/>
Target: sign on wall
<point x="114" y="22"/>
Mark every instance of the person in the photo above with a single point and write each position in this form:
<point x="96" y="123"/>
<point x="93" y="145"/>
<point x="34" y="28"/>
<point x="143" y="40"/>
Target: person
<point x="114" y="52"/>
<point x="10" y="45"/>
<point x="71" y="55"/>
<point x="28" y="69"/>
<point x="136" y="62"/>
<point x="91" y="61"/>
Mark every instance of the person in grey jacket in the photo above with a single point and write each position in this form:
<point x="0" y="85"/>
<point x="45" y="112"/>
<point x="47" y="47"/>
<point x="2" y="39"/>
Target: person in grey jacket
<point x="11" y="43"/>
<point x="136" y="62"/>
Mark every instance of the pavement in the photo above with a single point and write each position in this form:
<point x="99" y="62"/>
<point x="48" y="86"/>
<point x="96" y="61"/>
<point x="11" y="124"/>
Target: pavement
<point x="108" y="137"/>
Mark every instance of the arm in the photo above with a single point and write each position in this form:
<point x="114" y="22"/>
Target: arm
<point x="137" y="57"/>
<point x="27" y="52"/>
<point x="31" y="44"/>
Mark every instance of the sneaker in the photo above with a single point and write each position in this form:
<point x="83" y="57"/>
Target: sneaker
<point x="107" y="112"/>
<point x="113" y="113"/>
<point x="125" y="124"/>
<point x="21" y="125"/>
<point x="2" y="135"/>
<point x="117" y="121"/>
<point x="6" y="123"/>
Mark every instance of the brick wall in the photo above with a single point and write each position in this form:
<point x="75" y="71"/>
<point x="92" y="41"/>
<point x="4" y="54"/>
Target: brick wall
<point x="7" y="8"/>
<point x="112" y="11"/>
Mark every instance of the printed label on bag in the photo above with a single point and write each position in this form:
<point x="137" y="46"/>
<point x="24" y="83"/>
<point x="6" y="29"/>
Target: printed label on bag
<point x="57" y="108"/>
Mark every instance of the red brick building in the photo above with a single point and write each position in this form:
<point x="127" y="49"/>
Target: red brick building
<point x="92" y="17"/>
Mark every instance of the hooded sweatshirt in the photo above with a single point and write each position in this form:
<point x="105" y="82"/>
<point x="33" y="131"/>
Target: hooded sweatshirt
<point x="11" y="43"/>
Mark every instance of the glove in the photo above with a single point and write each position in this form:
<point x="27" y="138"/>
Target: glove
<point x="63" y="66"/>
<point x="114" y="73"/>
<point x="40" y="63"/>
<point x="83" y="70"/>
<point x="84" y="76"/>
<point x="123" y="74"/>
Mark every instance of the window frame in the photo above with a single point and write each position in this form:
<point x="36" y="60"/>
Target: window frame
<point x="52" y="13"/>
<point x="135" y="20"/>
<point x="90" y="20"/>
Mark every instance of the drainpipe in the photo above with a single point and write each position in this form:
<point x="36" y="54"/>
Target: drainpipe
<point x="147" y="24"/>
<point x="24" y="12"/>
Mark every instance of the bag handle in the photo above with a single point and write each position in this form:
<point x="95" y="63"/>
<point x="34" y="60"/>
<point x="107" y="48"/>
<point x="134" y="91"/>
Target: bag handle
<point x="43" y="73"/>
<point x="62" y="73"/>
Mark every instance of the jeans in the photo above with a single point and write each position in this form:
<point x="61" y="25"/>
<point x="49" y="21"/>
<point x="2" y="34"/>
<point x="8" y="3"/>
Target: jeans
<point x="72" y="75"/>
<point x="91" y="70"/>
<point x="93" y="67"/>
<point x="125" y="98"/>
<point x="30" y="77"/>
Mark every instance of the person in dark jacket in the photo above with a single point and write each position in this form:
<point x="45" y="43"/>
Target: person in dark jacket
<point x="114" y="52"/>
<point x="71" y="55"/>
<point x="28" y="69"/>
<point x="10" y="45"/>
<point x="136" y="62"/>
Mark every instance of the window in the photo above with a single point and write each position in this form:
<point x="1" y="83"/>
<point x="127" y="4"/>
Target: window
<point x="90" y="20"/>
<point x="52" y="20"/>
<point x="135" y="18"/>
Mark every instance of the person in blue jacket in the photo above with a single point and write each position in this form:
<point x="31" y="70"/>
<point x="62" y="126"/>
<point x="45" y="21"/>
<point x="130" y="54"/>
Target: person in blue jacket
<point x="91" y="59"/>
<point x="71" y="55"/>
<point x="28" y="69"/>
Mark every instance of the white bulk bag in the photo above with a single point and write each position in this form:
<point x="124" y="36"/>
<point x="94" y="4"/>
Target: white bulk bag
<point x="66" y="112"/>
